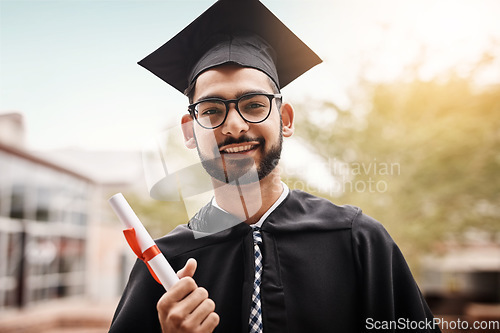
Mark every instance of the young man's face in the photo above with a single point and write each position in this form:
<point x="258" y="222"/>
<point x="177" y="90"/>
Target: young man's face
<point x="229" y="151"/>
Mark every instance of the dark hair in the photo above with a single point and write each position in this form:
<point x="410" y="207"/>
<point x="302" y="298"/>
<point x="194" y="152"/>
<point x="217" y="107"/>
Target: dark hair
<point x="276" y="90"/>
<point x="189" y="92"/>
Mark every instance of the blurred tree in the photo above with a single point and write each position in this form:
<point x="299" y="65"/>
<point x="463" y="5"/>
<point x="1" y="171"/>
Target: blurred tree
<point x="159" y="217"/>
<point x="422" y="157"/>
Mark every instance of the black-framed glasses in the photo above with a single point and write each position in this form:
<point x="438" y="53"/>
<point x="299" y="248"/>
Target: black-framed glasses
<point x="211" y="113"/>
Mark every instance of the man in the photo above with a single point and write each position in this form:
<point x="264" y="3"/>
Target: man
<point x="270" y="259"/>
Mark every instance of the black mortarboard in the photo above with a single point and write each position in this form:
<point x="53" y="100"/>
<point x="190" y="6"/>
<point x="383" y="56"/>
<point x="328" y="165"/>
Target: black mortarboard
<point x="240" y="31"/>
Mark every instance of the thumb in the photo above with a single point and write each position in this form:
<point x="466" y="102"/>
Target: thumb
<point x="188" y="269"/>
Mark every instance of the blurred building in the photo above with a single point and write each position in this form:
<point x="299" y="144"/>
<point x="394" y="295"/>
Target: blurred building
<point x="464" y="280"/>
<point x="59" y="241"/>
<point x="44" y="217"/>
<point x="12" y="129"/>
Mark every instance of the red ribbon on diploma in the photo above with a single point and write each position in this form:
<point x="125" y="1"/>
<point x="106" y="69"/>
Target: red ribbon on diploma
<point x="145" y="256"/>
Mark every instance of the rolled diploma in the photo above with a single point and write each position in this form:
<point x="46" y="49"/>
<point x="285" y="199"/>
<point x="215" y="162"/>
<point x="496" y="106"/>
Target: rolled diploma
<point x="159" y="263"/>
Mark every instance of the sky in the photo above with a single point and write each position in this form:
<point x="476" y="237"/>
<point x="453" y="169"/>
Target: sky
<point x="70" y="67"/>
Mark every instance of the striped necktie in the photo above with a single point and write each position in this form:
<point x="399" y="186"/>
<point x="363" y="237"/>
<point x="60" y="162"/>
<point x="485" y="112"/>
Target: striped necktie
<point x="255" y="321"/>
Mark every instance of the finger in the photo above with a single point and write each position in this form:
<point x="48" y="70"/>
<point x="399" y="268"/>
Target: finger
<point x="179" y="290"/>
<point x="192" y="301"/>
<point x="201" y="312"/>
<point x="188" y="269"/>
<point x="210" y="323"/>
<point x="181" y="311"/>
<point x="203" y="316"/>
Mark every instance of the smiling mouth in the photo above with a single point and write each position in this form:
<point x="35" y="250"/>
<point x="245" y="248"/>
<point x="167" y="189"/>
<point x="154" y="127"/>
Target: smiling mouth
<point x="238" y="149"/>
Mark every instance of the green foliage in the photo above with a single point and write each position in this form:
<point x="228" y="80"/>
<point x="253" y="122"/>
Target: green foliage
<point x="159" y="217"/>
<point x="445" y="137"/>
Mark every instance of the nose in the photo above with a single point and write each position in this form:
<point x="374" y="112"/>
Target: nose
<point x="234" y="124"/>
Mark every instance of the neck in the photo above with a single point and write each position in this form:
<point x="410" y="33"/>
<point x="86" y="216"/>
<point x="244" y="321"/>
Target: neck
<point x="249" y="202"/>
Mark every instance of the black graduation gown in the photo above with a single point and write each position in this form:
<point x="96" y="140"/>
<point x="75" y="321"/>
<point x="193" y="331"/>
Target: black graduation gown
<point x="326" y="269"/>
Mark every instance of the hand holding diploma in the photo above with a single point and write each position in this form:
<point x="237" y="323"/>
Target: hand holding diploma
<point x="185" y="307"/>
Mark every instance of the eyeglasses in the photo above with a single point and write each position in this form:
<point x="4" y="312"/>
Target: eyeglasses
<point x="253" y="108"/>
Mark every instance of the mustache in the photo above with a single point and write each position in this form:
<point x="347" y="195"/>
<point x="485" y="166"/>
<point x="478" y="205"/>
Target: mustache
<point x="242" y="139"/>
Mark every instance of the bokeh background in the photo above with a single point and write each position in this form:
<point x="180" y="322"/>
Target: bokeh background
<point x="401" y="119"/>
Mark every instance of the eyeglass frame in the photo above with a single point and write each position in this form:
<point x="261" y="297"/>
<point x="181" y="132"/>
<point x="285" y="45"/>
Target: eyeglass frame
<point x="192" y="107"/>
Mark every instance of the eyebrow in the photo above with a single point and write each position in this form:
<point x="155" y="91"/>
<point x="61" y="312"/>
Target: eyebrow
<point x="238" y="94"/>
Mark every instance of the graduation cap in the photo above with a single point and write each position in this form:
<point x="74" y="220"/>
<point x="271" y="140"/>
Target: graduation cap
<point x="244" y="32"/>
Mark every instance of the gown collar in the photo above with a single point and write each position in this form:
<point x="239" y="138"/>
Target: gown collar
<point x="258" y="224"/>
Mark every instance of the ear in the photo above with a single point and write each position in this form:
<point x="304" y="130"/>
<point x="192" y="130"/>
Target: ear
<point x="188" y="131"/>
<point x="287" y="115"/>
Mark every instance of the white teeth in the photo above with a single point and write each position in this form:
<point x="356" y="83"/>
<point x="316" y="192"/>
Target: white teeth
<point x="238" y="149"/>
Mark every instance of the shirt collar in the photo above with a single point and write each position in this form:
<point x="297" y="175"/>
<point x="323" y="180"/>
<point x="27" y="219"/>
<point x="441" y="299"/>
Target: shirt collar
<point x="259" y="223"/>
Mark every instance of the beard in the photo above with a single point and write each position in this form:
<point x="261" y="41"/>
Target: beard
<point x="242" y="169"/>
